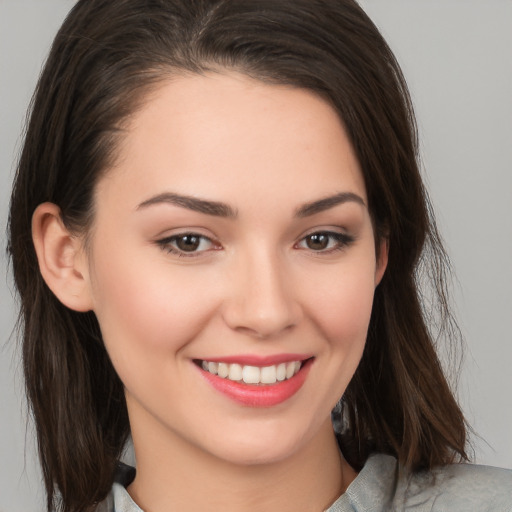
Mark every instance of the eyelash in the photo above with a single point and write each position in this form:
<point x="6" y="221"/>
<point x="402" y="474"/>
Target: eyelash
<point x="342" y="241"/>
<point x="166" y="244"/>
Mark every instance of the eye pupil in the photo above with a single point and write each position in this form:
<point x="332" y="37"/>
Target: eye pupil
<point x="188" y="243"/>
<point x="317" y="242"/>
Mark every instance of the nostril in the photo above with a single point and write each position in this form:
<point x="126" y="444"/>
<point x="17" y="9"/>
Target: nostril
<point x="265" y="331"/>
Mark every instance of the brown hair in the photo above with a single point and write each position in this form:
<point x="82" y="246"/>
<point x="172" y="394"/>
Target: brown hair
<point x="104" y="59"/>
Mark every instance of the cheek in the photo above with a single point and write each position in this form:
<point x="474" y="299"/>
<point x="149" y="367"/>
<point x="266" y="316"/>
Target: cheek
<point x="340" y="311"/>
<point x="144" y="309"/>
<point x="342" y="307"/>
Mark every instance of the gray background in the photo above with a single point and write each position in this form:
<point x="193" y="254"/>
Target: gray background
<point x="457" y="57"/>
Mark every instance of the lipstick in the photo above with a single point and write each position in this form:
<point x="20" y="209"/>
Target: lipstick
<point x="290" y="373"/>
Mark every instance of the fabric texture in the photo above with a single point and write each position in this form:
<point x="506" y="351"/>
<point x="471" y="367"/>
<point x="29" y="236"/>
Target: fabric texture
<point x="380" y="487"/>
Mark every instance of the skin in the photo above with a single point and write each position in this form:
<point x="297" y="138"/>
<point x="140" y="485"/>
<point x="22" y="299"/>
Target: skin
<point x="255" y="286"/>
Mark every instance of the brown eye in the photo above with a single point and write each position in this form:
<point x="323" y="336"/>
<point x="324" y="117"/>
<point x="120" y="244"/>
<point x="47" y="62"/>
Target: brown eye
<point x="318" y="241"/>
<point x="326" y="242"/>
<point x="188" y="243"/>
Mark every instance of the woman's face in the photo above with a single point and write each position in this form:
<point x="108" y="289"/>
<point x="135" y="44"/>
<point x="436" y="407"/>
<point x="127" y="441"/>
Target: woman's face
<point x="232" y="243"/>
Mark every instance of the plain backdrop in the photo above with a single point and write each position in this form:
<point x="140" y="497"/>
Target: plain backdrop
<point x="457" y="58"/>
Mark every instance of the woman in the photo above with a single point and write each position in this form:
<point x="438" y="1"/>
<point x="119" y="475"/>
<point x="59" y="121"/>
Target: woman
<point x="215" y="229"/>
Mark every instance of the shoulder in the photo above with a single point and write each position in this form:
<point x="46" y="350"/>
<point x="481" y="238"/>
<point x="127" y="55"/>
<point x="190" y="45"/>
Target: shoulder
<point x="107" y="505"/>
<point x="382" y="487"/>
<point x="459" y="487"/>
<point x="118" y="499"/>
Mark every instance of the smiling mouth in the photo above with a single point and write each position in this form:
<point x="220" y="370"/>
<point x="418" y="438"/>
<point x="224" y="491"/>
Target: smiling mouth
<point x="253" y="375"/>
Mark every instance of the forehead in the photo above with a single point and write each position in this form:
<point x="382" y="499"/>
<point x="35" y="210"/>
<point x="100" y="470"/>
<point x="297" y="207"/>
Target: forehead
<point x="227" y="136"/>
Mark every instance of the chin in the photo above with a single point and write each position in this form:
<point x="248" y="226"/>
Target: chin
<point x="260" y="446"/>
<point x="255" y="455"/>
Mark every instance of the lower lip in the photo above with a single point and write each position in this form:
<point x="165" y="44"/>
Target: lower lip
<point x="266" y="395"/>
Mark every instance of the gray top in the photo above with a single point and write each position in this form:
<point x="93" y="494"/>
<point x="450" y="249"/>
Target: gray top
<point x="377" y="488"/>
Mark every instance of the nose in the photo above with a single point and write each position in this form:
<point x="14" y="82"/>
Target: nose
<point x="261" y="302"/>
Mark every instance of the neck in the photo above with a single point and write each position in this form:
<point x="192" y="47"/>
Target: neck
<point x="175" y="475"/>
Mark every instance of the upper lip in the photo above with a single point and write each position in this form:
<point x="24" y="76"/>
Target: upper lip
<point x="258" y="360"/>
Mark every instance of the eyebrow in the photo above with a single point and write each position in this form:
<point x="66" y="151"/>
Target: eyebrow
<point x="326" y="203"/>
<point x="219" y="209"/>
<point x="214" y="208"/>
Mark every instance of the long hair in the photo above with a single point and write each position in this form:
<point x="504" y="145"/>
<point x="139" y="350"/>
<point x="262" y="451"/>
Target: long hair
<point x="106" y="57"/>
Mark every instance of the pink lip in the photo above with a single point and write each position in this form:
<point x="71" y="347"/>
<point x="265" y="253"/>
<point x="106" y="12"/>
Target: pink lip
<point x="266" y="395"/>
<point x="256" y="360"/>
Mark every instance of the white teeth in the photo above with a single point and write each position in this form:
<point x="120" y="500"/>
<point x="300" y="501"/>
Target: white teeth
<point x="281" y="371"/>
<point x="290" y="369"/>
<point x="223" y="370"/>
<point x="235" y="372"/>
<point x="268" y="375"/>
<point x="253" y="374"/>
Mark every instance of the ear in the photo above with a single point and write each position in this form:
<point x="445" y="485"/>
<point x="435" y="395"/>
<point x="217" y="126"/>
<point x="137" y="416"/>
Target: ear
<point x="382" y="260"/>
<point x="61" y="258"/>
